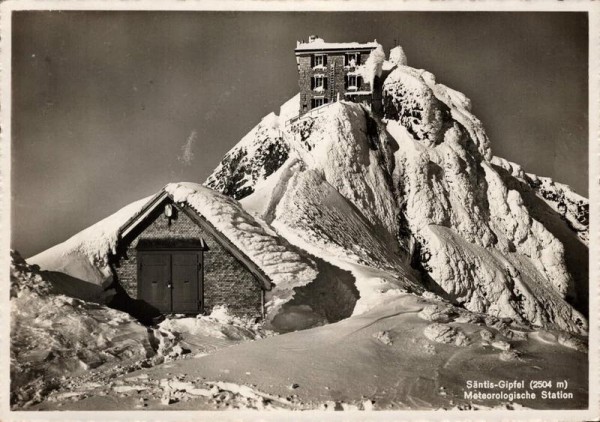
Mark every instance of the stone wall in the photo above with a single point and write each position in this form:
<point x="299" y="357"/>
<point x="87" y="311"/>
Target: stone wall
<point x="226" y="280"/>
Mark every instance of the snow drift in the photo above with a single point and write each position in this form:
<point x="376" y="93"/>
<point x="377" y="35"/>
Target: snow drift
<point x="85" y="255"/>
<point x="417" y="196"/>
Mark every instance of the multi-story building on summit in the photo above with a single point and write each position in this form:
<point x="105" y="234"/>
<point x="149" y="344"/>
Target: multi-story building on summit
<point x="329" y="72"/>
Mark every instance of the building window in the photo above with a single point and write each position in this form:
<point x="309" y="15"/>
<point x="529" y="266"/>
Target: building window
<point x="318" y="102"/>
<point x="318" y="83"/>
<point x="351" y="82"/>
<point x="319" y="60"/>
<point x="352" y="59"/>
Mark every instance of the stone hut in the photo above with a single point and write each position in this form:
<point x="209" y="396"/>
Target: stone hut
<point x="173" y="259"/>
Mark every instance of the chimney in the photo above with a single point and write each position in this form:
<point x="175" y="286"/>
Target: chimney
<point x="311" y="38"/>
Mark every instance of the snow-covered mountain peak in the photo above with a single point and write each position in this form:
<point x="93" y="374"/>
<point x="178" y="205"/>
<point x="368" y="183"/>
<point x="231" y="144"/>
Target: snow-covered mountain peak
<point x="416" y="193"/>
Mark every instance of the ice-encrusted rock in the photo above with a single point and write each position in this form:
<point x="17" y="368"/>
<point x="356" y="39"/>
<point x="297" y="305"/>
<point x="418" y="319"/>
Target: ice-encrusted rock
<point x="502" y="345"/>
<point x="437" y="313"/>
<point x="428" y="110"/>
<point x="564" y="213"/>
<point x="509" y="355"/>
<point x="570" y="206"/>
<point x="486" y="335"/>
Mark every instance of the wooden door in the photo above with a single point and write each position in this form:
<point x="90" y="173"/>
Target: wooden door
<point x="186" y="268"/>
<point x="171" y="281"/>
<point x="155" y="279"/>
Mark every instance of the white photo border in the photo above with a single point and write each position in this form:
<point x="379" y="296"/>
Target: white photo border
<point x="593" y="10"/>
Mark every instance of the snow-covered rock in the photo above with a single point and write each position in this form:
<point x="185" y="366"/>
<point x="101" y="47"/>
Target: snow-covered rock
<point x="572" y="207"/>
<point x="442" y="333"/>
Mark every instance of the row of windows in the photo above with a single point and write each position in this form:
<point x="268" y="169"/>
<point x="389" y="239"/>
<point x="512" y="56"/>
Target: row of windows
<point x="320" y="82"/>
<point x="350" y="59"/>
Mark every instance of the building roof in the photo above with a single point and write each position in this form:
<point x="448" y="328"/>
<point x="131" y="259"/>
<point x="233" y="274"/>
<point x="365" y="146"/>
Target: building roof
<point x="319" y="44"/>
<point x="187" y="207"/>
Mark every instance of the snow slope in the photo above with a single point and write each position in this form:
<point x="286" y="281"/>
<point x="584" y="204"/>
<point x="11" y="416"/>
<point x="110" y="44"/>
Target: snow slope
<point x="417" y="194"/>
<point x="409" y="353"/>
<point x="84" y="255"/>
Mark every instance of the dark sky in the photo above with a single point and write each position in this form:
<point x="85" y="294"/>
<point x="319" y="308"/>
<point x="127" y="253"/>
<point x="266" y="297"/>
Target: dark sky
<point x="104" y="101"/>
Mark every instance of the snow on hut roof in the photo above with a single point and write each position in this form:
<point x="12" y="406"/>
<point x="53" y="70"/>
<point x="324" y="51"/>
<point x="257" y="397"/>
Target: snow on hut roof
<point x="318" y="44"/>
